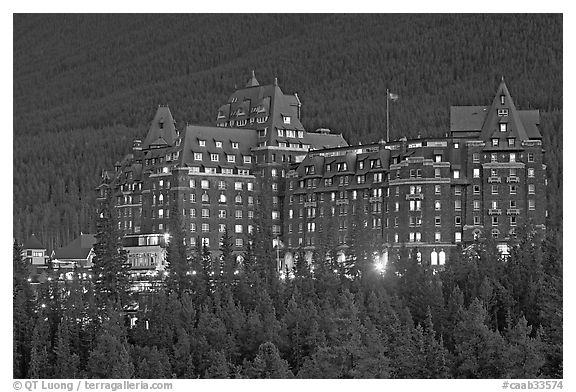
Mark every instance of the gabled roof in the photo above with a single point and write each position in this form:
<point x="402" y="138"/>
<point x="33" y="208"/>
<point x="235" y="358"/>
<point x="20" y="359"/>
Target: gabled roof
<point x="521" y="124"/>
<point x="246" y="139"/>
<point x="162" y="130"/>
<point x="78" y="249"/>
<point x="33" y="243"/>
<point x="252" y="82"/>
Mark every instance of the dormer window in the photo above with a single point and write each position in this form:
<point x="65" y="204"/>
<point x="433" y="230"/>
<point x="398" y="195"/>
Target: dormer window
<point x="202" y="143"/>
<point x="262" y="132"/>
<point x="301" y="134"/>
<point x="495" y="142"/>
<point x="218" y="144"/>
<point x="286" y="119"/>
<point x="280" y="133"/>
<point x="502" y="112"/>
<point x="511" y="142"/>
<point x="503" y="127"/>
<point x="161" y="124"/>
<point x="502" y="99"/>
<point x="235" y="145"/>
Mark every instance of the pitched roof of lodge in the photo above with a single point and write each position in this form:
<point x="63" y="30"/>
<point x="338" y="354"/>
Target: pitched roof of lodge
<point x="33" y="243"/>
<point x="521" y="124"/>
<point x="162" y="130"/>
<point x="193" y="134"/>
<point x="78" y="249"/>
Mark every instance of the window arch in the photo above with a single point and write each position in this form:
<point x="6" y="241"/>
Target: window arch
<point x="161" y="199"/>
<point x="434" y="257"/>
<point x="205" y="198"/>
<point x="222" y="198"/>
<point x="442" y="257"/>
<point x="238" y="199"/>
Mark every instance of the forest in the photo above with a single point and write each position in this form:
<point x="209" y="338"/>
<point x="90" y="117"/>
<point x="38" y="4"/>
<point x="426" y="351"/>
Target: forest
<point x="86" y="85"/>
<point x="481" y="316"/>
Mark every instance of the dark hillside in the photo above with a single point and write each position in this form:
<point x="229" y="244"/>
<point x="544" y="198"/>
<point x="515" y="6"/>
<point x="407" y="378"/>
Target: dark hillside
<point x="85" y="85"/>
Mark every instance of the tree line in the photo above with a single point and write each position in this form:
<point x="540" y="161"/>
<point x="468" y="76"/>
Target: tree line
<point x="481" y="316"/>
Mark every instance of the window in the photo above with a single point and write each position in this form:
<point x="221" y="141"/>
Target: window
<point x="205" y="213"/>
<point x="512" y="157"/>
<point x="456" y="173"/>
<point x="205" y="198"/>
<point x="495" y="233"/>
<point x="206" y="242"/>
<point x="476" y="157"/>
<point x="502" y="99"/>
<point x="530" y="157"/>
<point x="238" y="229"/>
<point x="396" y="206"/>
<point x="511" y="142"/>
<point x="457" y="205"/>
<point x="235" y="145"/>
<point x="476" y="205"/>
<point x="457" y="190"/>
<point x="250" y="186"/>
<point x="412" y="173"/>
<point x="192" y="213"/>
<point x="247" y="159"/>
<point x="197" y="156"/>
<point x="512" y="203"/>
<point x="238" y="186"/>
<point x="437" y="205"/>
<point x="396" y="237"/>
<point x="437" y="237"/>
<point x="495" y="142"/>
<point x="476" y="220"/>
<point x="218" y="144"/>
<point x="494" y="220"/>
<point x="437" y="221"/>
<point x="494" y="157"/>
<point x="193" y="227"/>
<point x="531" y="189"/>
<point x="494" y="189"/>
<point x="502" y="112"/>
<point x="512" y="221"/>
<point x="458" y="237"/>
<point x="476" y="189"/>
<point x="503" y="127"/>
<point x="438" y="158"/>
<point x="476" y="173"/>
<point x="437" y="172"/>
<point x="238" y="214"/>
<point x="231" y="158"/>
<point x="238" y="199"/>
<point x="239" y="242"/>
<point x="456" y="145"/>
<point x="205" y="184"/>
<point x="437" y="189"/>
<point x="286" y="119"/>
<point x="202" y="143"/>
<point x="301" y="134"/>
<point x="494" y="204"/>
<point x="205" y="227"/>
<point x="530" y="172"/>
<point x="458" y="220"/>
<point x="222" y="214"/>
<point x="512" y="189"/>
<point x="214" y="157"/>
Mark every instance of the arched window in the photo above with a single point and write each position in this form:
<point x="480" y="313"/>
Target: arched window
<point x="385" y="258"/>
<point x="222" y="198"/>
<point x="238" y="199"/>
<point x="161" y="199"/>
<point x="477" y="234"/>
<point x="205" y="198"/>
<point x="434" y="258"/>
<point x="442" y="257"/>
<point x="419" y="256"/>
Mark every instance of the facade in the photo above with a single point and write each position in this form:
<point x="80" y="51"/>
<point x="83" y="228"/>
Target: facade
<point x="486" y="177"/>
<point x="33" y="252"/>
<point x="77" y="254"/>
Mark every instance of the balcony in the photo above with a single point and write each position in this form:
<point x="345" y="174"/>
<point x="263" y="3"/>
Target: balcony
<point x="414" y="196"/>
<point x="494" y="179"/>
<point x="512" y="179"/>
<point x="341" y="201"/>
<point x="513" y="211"/>
<point x="494" y="211"/>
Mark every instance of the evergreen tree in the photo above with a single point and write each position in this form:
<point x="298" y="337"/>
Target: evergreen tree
<point x="110" y="269"/>
<point x="268" y="364"/>
<point x="179" y="269"/>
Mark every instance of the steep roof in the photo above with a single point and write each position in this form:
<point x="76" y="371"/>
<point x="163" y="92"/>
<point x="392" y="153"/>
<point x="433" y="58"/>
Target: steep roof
<point x="78" y="249"/>
<point x="193" y="134"/>
<point x="252" y="82"/>
<point x="33" y="243"/>
<point x="520" y="124"/>
<point x="162" y="130"/>
<point x="324" y="140"/>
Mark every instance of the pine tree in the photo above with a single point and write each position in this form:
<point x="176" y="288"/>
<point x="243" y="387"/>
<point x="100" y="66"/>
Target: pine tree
<point x="67" y="364"/>
<point x="110" y="269"/>
<point x="179" y="269"/>
<point x="22" y="308"/>
<point x="268" y="364"/>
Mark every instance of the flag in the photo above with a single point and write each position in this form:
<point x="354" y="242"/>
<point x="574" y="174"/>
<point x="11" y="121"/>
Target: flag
<point x="393" y="97"/>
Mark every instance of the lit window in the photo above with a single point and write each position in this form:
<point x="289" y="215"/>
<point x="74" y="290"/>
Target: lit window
<point x="502" y="99"/>
<point x="476" y="157"/>
<point x="235" y="145"/>
<point x="456" y="145"/>
<point x="512" y="189"/>
<point x="205" y="227"/>
<point x="494" y="157"/>
<point x="437" y="236"/>
<point x="214" y="157"/>
<point x="238" y="186"/>
<point x="205" y="213"/>
<point x="476" y="173"/>
<point x="206" y="242"/>
<point x="437" y="205"/>
<point x="476" y="220"/>
<point x="231" y="158"/>
<point x="495" y="142"/>
<point x="511" y="142"/>
<point x="202" y="143"/>
<point x="205" y="198"/>
<point x="218" y="144"/>
<point x="503" y="127"/>
<point x="238" y="214"/>
<point x="530" y="157"/>
<point x="456" y="173"/>
<point x="530" y="172"/>
<point x="222" y="198"/>
<point x="531" y="189"/>
<point x="197" y="156"/>
<point x="204" y="184"/>
<point x="238" y="229"/>
<point x="222" y="214"/>
<point x="301" y="134"/>
<point x="512" y="157"/>
<point x="437" y="189"/>
<point x="221" y="227"/>
<point x="457" y="237"/>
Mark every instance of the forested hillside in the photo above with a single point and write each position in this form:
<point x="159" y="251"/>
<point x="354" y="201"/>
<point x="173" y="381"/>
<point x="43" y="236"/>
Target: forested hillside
<point x="86" y="85"/>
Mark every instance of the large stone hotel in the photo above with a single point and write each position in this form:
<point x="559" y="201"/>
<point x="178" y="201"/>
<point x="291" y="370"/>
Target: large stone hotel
<point x="484" y="178"/>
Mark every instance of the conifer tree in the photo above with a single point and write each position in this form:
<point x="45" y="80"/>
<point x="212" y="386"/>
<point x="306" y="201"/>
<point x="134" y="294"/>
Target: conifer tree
<point x="110" y="262"/>
<point x="179" y="269"/>
<point x="268" y="364"/>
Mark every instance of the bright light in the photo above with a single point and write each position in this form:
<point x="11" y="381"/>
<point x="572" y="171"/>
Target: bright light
<point x="282" y="275"/>
<point x="43" y="305"/>
<point x="380" y="267"/>
<point x="49" y="279"/>
<point x="166" y="237"/>
<point x="193" y="272"/>
<point x="29" y="279"/>
<point x="236" y="272"/>
<point x="335" y="271"/>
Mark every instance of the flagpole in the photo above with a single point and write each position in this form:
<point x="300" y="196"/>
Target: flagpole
<point x="387" y="125"/>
